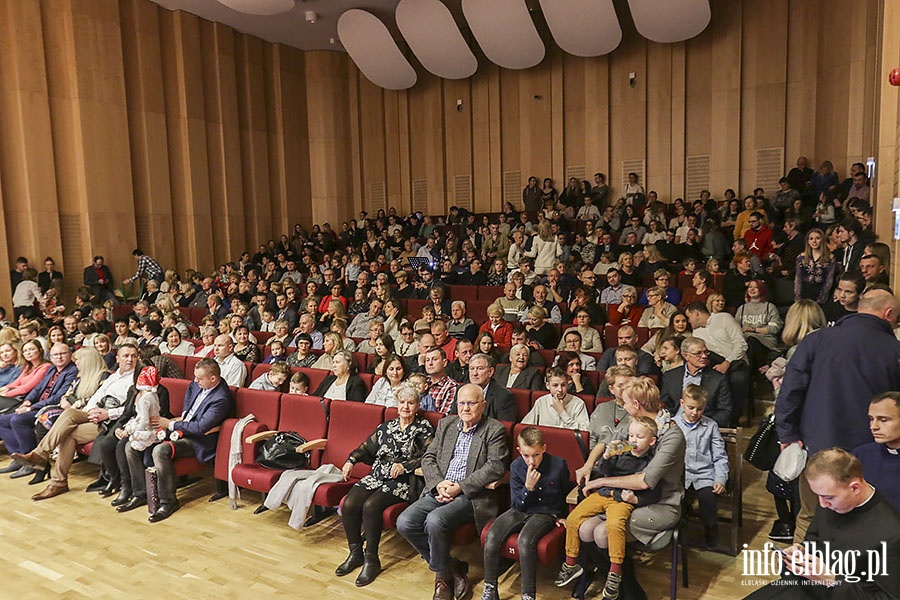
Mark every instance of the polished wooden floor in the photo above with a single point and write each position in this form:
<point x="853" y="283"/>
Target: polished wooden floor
<point x="77" y="546"/>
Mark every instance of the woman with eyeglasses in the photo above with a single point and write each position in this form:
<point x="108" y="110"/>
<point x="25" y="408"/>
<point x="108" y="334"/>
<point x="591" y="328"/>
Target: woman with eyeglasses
<point x="628" y="312"/>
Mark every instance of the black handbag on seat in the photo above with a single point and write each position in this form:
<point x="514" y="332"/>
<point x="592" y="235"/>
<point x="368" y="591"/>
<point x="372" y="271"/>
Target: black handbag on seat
<point x="280" y="452"/>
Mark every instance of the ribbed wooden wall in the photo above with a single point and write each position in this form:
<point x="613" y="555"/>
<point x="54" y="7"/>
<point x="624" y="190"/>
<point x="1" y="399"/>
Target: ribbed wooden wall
<point x="790" y="75"/>
<point x="125" y="124"/>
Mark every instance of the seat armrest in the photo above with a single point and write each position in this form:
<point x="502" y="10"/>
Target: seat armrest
<point x="313" y="445"/>
<point x="259" y="437"/>
<point x="495" y="484"/>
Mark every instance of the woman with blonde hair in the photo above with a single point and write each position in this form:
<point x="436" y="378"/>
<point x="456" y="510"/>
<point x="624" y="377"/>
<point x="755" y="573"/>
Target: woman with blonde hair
<point x="802" y="318"/>
<point x="331" y="344"/>
<point x="11" y="362"/>
<point x="715" y="303"/>
<point x="544" y="249"/>
<point x="10" y="335"/>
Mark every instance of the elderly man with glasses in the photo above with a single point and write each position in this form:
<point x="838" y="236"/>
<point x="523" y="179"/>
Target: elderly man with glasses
<point x="697" y="370"/>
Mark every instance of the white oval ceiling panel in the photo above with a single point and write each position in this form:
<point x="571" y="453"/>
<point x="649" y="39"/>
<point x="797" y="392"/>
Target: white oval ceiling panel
<point x="370" y="45"/>
<point x="670" y="21"/>
<point x="583" y="27"/>
<point x="259" y="7"/>
<point x="431" y="32"/>
<point x="505" y="32"/>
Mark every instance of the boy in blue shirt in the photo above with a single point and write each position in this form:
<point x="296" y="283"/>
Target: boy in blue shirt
<point x="705" y="459"/>
<point x="539" y="483"/>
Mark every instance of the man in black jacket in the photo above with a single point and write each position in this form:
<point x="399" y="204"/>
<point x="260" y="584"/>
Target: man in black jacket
<point x="98" y="278"/>
<point x="501" y="404"/>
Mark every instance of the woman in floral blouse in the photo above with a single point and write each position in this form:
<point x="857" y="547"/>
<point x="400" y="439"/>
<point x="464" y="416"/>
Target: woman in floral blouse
<point x="395" y="451"/>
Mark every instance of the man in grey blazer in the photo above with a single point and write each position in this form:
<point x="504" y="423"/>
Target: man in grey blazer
<point x="468" y="452"/>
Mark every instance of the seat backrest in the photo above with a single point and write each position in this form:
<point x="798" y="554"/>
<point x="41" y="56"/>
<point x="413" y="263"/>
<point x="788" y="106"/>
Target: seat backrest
<point x="349" y="425"/>
<point x="477" y="309"/>
<point x="523" y="402"/>
<point x="561" y="443"/>
<point x="414" y="308"/>
<point x="548" y="354"/>
<point x="197" y="315"/>
<point x="316" y="376"/>
<point x="263" y="336"/>
<point x="261" y="404"/>
<point x="489" y="293"/>
<point x="189" y="365"/>
<point x="467" y="293"/>
<point x="177" y="389"/>
<point x="361" y="360"/>
<point x="432" y="417"/>
<point x="180" y="361"/>
<point x="367" y="379"/>
<point x="307" y="416"/>
<point x="259" y="370"/>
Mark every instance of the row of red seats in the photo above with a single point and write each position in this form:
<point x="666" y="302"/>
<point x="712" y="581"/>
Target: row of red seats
<point x="341" y="427"/>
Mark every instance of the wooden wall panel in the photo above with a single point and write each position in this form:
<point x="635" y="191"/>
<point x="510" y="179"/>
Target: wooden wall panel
<point x="149" y="147"/>
<point x="223" y="140"/>
<point x="288" y="138"/>
<point x="28" y="179"/>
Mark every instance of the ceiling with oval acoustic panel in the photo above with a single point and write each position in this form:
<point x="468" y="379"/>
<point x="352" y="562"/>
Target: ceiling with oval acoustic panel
<point x="505" y="32"/>
<point x="670" y="21"/>
<point x="583" y="27"/>
<point x="259" y="7"/>
<point x="431" y="32"/>
<point x="370" y="45"/>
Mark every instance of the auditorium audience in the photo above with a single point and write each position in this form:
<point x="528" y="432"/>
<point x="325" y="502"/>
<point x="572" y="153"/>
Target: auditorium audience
<point x="709" y="372"/>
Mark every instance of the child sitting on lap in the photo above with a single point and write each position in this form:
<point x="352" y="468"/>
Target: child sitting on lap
<point x="619" y="459"/>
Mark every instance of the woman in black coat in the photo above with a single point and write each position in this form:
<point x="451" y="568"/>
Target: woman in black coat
<point x="343" y="383"/>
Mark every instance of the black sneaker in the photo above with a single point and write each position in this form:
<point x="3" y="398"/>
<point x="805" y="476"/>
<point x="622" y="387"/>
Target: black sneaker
<point x="490" y="592"/>
<point x="782" y="532"/>
<point x="568" y="574"/>
<point x="611" y="589"/>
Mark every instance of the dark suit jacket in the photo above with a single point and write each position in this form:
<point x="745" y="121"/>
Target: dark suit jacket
<point x="60" y="387"/>
<point x="487" y="460"/>
<point x="105" y="443"/>
<point x="92" y="280"/>
<point x="499" y="403"/>
<point x="718" y="402"/>
<point x="290" y="315"/>
<point x="217" y="407"/>
<point x="356" y="388"/>
<point x="528" y="379"/>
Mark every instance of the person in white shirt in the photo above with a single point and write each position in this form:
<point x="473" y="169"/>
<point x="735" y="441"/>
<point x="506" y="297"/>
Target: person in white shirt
<point x="232" y="368"/>
<point x="723" y="336"/>
<point x="174" y="345"/>
<point x="79" y="426"/>
<point x="558" y="408"/>
<point x="384" y="389"/>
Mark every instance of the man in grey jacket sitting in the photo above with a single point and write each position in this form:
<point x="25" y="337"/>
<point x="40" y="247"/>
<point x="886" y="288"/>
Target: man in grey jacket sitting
<point x="469" y="451"/>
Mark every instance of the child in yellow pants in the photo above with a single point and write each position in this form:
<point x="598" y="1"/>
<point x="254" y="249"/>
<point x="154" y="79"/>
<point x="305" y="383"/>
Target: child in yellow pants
<point x="618" y="460"/>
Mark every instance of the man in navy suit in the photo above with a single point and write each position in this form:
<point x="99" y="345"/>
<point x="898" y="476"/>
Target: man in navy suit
<point x="207" y="403"/>
<point x="17" y="429"/>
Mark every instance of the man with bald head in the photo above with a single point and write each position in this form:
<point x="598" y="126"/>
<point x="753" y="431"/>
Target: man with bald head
<point x="468" y="452"/>
<point x="232" y="369"/>
<point x="824" y="399"/>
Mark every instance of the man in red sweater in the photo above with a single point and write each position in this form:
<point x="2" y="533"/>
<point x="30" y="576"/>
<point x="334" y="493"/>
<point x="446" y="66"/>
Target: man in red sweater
<point x="759" y="236"/>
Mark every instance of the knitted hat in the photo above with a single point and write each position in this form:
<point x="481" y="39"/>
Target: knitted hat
<point x="148" y="379"/>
